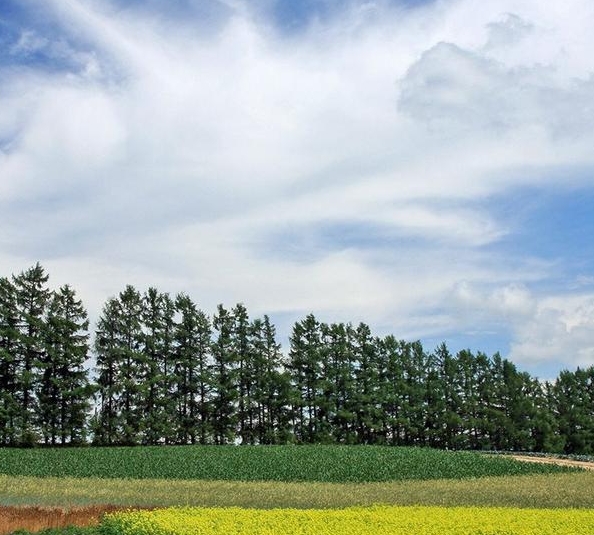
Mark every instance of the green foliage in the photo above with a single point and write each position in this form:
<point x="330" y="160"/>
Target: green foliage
<point x="166" y="373"/>
<point x="259" y="463"/>
<point x="64" y="389"/>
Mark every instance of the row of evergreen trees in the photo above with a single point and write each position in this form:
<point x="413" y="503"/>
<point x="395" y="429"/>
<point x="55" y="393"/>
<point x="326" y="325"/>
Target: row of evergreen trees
<point x="167" y="373"/>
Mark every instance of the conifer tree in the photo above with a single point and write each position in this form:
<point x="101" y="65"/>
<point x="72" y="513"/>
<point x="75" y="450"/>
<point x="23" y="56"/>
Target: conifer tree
<point x="340" y="377"/>
<point x="305" y="367"/>
<point x="122" y="366"/>
<point x="64" y="391"/>
<point x="193" y="381"/>
<point x="224" y="402"/>
<point x="9" y="388"/>
<point x="574" y="399"/>
<point x="271" y="385"/>
<point x="32" y="297"/>
<point x="157" y="400"/>
<point x="134" y="366"/>
<point x="243" y="356"/>
<point x="368" y="405"/>
<point x="108" y="349"/>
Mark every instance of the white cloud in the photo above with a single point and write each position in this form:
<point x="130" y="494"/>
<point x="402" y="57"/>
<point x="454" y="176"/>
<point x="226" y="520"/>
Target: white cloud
<point x="511" y="302"/>
<point x="29" y="43"/>
<point x="562" y="330"/>
<point x="162" y="154"/>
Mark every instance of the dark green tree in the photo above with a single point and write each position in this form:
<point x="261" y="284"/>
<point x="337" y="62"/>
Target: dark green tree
<point x="470" y="415"/>
<point x="414" y="411"/>
<point x="305" y="369"/>
<point x="271" y="388"/>
<point x="244" y="357"/>
<point x="574" y="399"/>
<point x="157" y="402"/>
<point x="122" y="368"/>
<point x="135" y="364"/>
<point x="340" y="381"/>
<point x="193" y="374"/>
<point x="9" y="387"/>
<point x="367" y="402"/>
<point x="32" y="297"/>
<point x="224" y="402"/>
<point x="64" y="391"/>
<point x="392" y="388"/>
<point x="109" y="353"/>
<point x="437" y="391"/>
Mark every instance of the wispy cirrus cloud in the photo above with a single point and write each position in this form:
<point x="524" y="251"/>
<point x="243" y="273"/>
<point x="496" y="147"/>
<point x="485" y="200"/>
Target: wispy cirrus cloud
<point x="343" y="165"/>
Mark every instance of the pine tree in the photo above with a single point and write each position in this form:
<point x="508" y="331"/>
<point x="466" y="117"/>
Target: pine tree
<point x="108" y="349"/>
<point x="574" y="400"/>
<point x="64" y="391"/>
<point x="436" y="391"/>
<point x="122" y="366"/>
<point x="224" y="402"/>
<point x="391" y="384"/>
<point x="32" y="297"/>
<point x="271" y="387"/>
<point x="9" y="389"/>
<point x="193" y="375"/>
<point x="305" y="369"/>
<point x="157" y="401"/>
<point x="366" y="356"/>
<point x="340" y="378"/>
<point x="134" y="368"/>
<point x="244" y="359"/>
<point x="413" y="407"/>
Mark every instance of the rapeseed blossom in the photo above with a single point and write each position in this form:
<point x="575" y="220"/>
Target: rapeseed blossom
<point x="376" y="520"/>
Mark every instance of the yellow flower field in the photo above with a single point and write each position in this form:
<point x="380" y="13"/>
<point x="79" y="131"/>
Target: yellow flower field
<point x="376" y="520"/>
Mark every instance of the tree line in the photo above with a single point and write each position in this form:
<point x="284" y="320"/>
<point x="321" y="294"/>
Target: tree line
<point x="165" y="372"/>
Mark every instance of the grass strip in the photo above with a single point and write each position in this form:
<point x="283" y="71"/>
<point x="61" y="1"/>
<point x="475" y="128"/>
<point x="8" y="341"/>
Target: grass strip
<point x="532" y="491"/>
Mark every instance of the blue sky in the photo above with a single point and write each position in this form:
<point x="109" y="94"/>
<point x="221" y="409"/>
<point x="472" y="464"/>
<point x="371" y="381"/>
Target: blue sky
<point x="422" y="166"/>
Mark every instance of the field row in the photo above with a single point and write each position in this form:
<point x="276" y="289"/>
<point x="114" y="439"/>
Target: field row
<point x="339" y="464"/>
<point x="572" y="490"/>
<point x="353" y="521"/>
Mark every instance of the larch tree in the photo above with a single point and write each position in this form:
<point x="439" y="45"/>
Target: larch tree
<point x="64" y="391"/>
<point x="32" y="297"/>
<point x="157" y="370"/>
<point x="224" y="374"/>
<point x="193" y="382"/>
<point x="271" y="385"/>
<point x="9" y="384"/>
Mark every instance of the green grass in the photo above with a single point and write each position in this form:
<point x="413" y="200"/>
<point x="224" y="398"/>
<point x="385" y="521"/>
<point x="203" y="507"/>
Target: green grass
<point x="337" y="464"/>
<point x="534" y="491"/>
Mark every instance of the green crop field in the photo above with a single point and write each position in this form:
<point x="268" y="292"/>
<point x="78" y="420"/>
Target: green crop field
<point x="337" y="464"/>
<point x="281" y="477"/>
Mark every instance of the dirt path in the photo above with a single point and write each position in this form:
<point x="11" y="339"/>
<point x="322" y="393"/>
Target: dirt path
<point x="587" y="465"/>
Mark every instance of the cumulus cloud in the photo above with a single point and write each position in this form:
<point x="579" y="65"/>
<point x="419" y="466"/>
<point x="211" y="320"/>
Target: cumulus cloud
<point x="510" y="302"/>
<point x="345" y="168"/>
<point x="560" y="330"/>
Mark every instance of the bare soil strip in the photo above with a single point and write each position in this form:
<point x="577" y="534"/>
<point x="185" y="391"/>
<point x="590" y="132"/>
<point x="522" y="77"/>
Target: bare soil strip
<point x="587" y="465"/>
<point x="39" y="518"/>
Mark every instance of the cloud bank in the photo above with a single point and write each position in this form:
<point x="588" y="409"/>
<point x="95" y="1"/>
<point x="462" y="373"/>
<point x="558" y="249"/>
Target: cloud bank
<point x="351" y="167"/>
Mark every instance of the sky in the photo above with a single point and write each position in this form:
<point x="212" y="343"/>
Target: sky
<point x="423" y="166"/>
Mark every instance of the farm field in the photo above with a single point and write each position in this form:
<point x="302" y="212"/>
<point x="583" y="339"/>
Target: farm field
<point x="251" y="479"/>
<point x="337" y="464"/>
<point x="376" y="520"/>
